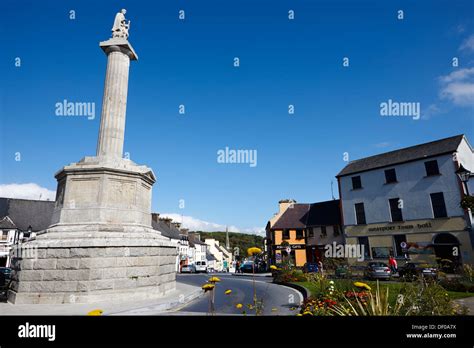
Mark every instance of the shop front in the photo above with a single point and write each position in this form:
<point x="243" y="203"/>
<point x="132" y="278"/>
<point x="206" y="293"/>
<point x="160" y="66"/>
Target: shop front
<point x="429" y="241"/>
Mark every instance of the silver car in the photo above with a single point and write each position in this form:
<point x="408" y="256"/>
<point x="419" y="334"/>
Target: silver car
<point x="377" y="270"/>
<point x="188" y="269"/>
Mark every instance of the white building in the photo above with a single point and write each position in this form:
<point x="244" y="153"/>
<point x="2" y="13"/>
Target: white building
<point x="223" y="257"/>
<point x="407" y="203"/>
<point x="21" y="219"/>
<point x="9" y="236"/>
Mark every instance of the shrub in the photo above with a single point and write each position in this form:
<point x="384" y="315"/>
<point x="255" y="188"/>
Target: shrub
<point x="427" y="298"/>
<point x="289" y="275"/>
<point x="457" y="284"/>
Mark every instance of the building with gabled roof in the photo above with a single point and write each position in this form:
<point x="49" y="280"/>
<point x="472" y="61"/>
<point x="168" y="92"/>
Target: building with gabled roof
<point x="407" y="203"/>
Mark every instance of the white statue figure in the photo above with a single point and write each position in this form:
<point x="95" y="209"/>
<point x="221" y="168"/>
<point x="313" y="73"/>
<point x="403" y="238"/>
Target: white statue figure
<point x="120" y="28"/>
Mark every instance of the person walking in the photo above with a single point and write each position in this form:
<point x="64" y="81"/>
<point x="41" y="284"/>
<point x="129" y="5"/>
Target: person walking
<point x="392" y="263"/>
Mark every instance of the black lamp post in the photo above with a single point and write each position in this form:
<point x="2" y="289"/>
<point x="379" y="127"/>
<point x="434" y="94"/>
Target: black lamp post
<point x="464" y="175"/>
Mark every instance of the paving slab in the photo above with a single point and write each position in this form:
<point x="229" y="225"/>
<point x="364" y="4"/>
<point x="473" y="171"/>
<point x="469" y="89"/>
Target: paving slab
<point x="183" y="294"/>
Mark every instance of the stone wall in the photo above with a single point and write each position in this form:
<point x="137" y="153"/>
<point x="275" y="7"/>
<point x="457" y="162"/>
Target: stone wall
<point x="91" y="274"/>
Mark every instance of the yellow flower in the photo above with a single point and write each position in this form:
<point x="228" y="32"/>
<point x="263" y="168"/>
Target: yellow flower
<point x="254" y="251"/>
<point x="214" y="280"/>
<point x="207" y="287"/>
<point x="228" y="292"/>
<point x="274" y="268"/>
<point x="362" y="285"/>
<point x="238" y="305"/>
<point x="95" y="312"/>
<point x="299" y="315"/>
<point x="307" y="313"/>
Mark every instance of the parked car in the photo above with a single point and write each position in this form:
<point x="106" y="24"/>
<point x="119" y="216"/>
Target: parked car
<point x="5" y="278"/>
<point x="7" y="273"/>
<point x="310" y="267"/>
<point x="247" y="267"/>
<point x="191" y="268"/>
<point x="342" y="271"/>
<point x="413" y="270"/>
<point x="201" y="266"/>
<point x="377" y="270"/>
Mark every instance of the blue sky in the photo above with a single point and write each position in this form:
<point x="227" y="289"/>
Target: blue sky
<point x="190" y="62"/>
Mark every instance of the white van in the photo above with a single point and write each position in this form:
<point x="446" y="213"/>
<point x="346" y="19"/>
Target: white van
<point x="201" y="266"/>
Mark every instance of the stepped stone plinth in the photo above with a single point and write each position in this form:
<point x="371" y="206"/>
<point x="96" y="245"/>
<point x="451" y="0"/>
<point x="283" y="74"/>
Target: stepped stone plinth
<point x="100" y="245"/>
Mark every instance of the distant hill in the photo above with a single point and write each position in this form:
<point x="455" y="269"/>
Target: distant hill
<point x="240" y="240"/>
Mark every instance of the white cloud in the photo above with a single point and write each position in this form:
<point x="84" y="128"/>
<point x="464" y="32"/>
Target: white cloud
<point x="458" y="87"/>
<point x="194" y="224"/>
<point x="26" y="191"/>
<point x="468" y="44"/>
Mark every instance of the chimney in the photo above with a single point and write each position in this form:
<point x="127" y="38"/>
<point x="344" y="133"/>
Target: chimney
<point x="155" y="217"/>
<point x="167" y="221"/>
<point x="176" y="224"/>
<point x="285" y="204"/>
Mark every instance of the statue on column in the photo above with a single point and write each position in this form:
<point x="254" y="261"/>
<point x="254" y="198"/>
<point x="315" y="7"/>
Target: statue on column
<point x="120" y="28"/>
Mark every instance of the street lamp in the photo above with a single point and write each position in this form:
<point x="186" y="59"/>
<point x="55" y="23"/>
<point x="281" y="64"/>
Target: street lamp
<point x="464" y="176"/>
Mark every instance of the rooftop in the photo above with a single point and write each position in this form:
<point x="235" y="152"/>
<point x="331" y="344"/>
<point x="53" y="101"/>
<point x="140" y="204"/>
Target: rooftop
<point x="412" y="153"/>
<point x="27" y="212"/>
<point x="294" y="217"/>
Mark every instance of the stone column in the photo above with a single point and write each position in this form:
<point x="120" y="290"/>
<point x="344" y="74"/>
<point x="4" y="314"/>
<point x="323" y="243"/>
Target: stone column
<point x="114" y="103"/>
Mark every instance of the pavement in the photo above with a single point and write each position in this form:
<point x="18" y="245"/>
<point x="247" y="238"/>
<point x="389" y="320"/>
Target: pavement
<point x="183" y="294"/>
<point x="468" y="302"/>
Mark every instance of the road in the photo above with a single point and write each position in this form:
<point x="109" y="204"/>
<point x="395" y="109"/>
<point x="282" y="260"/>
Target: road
<point x="277" y="299"/>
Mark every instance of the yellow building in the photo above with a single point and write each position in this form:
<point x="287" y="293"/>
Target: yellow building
<point x="300" y="232"/>
<point x="287" y="233"/>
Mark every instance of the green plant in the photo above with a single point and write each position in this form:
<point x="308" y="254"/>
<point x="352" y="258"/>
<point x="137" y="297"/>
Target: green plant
<point x="289" y="275"/>
<point x="366" y="304"/>
<point x="427" y="298"/>
<point x="457" y="284"/>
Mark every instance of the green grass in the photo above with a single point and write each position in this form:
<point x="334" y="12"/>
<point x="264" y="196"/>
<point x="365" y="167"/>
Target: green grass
<point x="394" y="288"/>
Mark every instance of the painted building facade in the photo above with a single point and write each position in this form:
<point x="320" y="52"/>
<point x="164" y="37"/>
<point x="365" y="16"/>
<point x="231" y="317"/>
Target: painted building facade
<point x="406" y="203"/>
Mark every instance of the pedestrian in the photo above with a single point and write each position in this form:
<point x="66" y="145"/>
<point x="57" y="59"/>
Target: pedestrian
<point x="237" y="267"/>
<point x="392" y="263"/>
<point x="320" y="266"/>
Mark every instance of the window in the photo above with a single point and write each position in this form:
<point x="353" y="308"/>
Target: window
<point x="439" y="207"/>
<point x="432" y="168"/>
<point x="323" y="231"/>
<point x="390" y="176"/>
<point x="336" y="230"/>
<point x="395" y="209"/>
<point x="360" y="214"/>
<point x="299" y="234"/>
<point x="398" y="239"/>
<point x="364" y="242"/>
<point x="286" y="234"/>
<point x="356" y="183"/>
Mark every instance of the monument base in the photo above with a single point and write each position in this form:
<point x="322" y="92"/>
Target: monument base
<point x="93" y="263"/>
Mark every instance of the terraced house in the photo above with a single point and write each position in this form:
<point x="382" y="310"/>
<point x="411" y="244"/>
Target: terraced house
<point x="304" y="230"/>
<point x="407" y="202"/>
